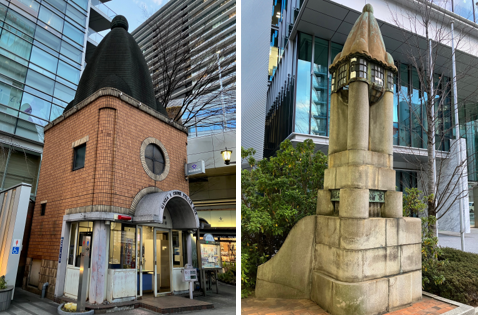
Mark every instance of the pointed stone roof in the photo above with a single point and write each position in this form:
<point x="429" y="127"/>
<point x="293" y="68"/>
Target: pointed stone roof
<point x="366" y="39"/>
<point x="118" y="63"/>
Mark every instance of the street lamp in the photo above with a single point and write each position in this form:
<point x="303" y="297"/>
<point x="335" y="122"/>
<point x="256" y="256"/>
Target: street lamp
<point x="226" y="156"/>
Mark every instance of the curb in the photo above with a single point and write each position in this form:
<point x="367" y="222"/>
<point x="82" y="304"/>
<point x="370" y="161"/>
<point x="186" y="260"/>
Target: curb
<point x="462" y="309"/>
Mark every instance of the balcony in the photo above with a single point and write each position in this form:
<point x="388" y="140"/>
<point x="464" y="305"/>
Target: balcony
<point x="100" y="16"/>
<point x="94" y="40"/>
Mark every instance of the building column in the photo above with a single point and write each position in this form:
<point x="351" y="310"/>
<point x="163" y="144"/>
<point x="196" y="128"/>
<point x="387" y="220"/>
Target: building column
<point x="63" y="258"/>
<point x="99" y="262"/>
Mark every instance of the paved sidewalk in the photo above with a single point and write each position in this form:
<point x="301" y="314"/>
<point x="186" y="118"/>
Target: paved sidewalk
<point x="253" y="306"/>
<point x="453" y="240"/>
<point x="27" y="303"/>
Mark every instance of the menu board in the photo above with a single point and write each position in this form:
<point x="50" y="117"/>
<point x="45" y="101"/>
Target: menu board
<point x="211" y="256"/>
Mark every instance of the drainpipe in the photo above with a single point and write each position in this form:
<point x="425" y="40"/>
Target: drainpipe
<point x="43" y="290"/>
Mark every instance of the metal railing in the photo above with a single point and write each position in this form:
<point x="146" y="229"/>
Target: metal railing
<point x="103" y="8"/>
<point x="94" y="36"/>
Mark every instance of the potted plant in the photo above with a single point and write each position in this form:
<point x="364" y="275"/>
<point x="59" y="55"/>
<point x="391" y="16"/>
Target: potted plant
<point x="5" y="294"/>
<point x="70" y="309"/>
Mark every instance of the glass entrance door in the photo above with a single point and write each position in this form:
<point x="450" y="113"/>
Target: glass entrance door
<point x="162" y="262"/>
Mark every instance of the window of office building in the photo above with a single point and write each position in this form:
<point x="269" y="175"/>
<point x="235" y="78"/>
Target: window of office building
<point x="464" y="8"/>
<point x="403" y="106"/>
<point x="15" y="44"/>
<point x="18" y="166"/>
<point x="320" y="88"/>
<point x="51" y="19"/>
<point x="302" y="102"/>
<point x="273" y="53"/>
<point x="79" y="154"/>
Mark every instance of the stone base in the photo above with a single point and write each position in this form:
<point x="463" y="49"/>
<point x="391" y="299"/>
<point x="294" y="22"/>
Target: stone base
<point x="287" y="274"/>
<point x="347" y="265"/>
<point x="365" y="298"/>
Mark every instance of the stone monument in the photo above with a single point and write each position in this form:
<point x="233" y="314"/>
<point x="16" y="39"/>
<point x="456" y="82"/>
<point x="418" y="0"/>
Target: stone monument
<point x="358" y="255"/>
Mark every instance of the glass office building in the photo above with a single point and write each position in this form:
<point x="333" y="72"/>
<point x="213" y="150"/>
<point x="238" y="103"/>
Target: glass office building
<point x="299" y="89"/>
<point x="209" y="27"/>
<point x="43" y="47"/>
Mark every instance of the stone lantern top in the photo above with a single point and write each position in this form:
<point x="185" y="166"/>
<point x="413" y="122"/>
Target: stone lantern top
<point x="365" y="39"/>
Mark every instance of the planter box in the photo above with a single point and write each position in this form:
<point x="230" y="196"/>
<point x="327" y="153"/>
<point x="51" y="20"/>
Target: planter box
<point x="5" y="298"/>
<point x="62" y="312"/>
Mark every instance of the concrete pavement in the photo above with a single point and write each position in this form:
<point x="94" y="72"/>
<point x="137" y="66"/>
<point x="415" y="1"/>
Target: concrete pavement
<point x="452" y="239"/>
<point x="27" y="303"/>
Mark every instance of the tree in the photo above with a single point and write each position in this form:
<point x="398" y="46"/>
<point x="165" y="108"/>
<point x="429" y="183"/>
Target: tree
<point x="276" y="193"/>
<point x="192" y="78"/>
<point x="426" y="48"/>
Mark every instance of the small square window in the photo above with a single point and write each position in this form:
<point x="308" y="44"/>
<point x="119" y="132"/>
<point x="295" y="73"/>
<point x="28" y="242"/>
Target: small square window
<point x="43" y="208"/>
<point x="79" y="157"/>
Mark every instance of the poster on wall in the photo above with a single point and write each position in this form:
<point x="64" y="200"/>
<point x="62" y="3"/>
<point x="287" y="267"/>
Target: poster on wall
<point x="211" y="256"/>
<point x="127" y="252"/>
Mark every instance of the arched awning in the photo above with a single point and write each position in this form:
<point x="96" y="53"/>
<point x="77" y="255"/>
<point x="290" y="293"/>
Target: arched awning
<point x="151" y="207"/>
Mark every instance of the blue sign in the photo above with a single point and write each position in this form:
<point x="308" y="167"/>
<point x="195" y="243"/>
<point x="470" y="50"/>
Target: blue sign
<point x="61" y="249"/>
<point x="15" y="250"/>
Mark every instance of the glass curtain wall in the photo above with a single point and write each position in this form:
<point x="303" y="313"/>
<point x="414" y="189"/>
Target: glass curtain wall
<point x="312" y="114"/>
<point x="320" y="87"/>
<point x="40" y="62"/>
<point x="273" y="53"/>
<point x="409" y="114"/>
<point x="302" y="102"/>
<point x="18" y="166"/>
<point x="464" y="8"/>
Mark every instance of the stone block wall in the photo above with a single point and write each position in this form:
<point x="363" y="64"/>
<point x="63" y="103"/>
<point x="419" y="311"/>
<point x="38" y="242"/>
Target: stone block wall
<point x="48" y="274"/>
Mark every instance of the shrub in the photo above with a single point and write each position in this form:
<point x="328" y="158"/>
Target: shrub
<point x="3" y="283"/>
<point x="461" y="274"/>
<point x="276" y="193"/>
<point x="413" y="205"/>
<point x="229" y="275"/>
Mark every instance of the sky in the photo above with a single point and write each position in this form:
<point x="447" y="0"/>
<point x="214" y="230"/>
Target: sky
<point x="135" y="11"/>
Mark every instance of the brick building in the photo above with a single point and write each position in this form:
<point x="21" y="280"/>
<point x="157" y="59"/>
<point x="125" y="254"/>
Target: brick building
<point x="113" y="170"/>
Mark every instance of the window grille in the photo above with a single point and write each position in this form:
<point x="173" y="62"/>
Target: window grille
<point x="358" y="68"/>
<point x="377" y="74"/>
<point x="390" y="80"/>
<point x="342" y="76"/>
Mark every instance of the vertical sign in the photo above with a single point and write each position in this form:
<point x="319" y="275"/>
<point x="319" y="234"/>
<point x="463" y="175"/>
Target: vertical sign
<point x="16" y="247"/>
<point x="61" y="249"/>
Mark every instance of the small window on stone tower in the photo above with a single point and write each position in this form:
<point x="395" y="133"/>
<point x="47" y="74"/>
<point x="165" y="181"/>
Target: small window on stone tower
<point x="154" y="159"/>
<point x="79" y="157"/>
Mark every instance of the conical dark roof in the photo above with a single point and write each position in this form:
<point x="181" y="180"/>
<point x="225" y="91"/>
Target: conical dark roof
<point x="118" y="63"/>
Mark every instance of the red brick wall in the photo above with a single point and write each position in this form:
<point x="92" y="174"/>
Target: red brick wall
<point x="113" y="173"/>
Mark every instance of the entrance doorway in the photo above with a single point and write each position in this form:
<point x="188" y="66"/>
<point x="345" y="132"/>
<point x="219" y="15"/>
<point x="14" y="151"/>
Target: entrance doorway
<point x="162" y="273"/>
<point x="154" y="257"/>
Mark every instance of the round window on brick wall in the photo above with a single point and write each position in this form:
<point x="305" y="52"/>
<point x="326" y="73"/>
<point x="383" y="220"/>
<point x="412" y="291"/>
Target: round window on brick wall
<point x="154" y="158"/>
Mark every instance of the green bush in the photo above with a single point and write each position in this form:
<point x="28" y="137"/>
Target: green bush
<point x="276" y="193"/>
<point x="229" y="275"/>
<point x="414" y="204"/>
<point x="461" y="274"/>
<point x="3" y="283"/>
